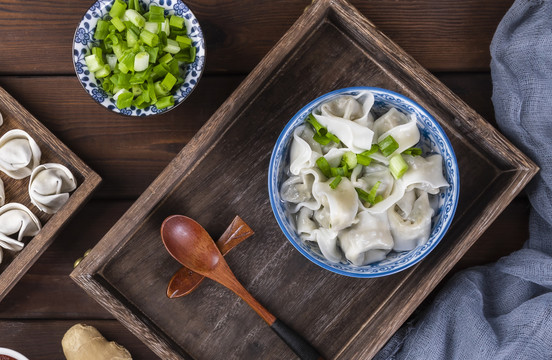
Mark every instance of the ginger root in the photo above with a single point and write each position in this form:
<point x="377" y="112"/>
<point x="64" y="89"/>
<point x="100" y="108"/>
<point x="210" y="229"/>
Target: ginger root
<point x="83" y="342"/>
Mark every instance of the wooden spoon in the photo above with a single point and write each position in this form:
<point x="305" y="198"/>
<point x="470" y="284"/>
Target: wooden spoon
<point x="184" y="281"/>
<point x="190" y="244"/>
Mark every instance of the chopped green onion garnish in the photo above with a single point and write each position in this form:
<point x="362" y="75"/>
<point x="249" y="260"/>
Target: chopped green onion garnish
<point x="324" y="166"/>
<point x="362" y="195"/>
<point x="124" y="99"/>
<point x="363" y="160"/>
<point x="397" y="166"/>
<point x="103" y="72"/>
<point x="176" y="21"/>
<point x="118" y="24"/>
<point x="372" y="193"/>
<point x="134" y="17"/>
<point x="138" y="59"/>
<point x="184" y="41"/>
<point x="165" y="102"/>
<point x="378" y="199"/>
<point x="335" y="182"/>
<point x="374" y="149"/>
<point x="350" y="159"/>
<point x="320" y="130"/>
<point x="156" y="14"/>
<point x="340" y="171"/>
<point x="172" y="47"/>
<point x="333" y="138"/>
<point x="149" y="38"/>
<point x="118" y="9"/>
<point x="152" y="27"/>
<point x="93" y="62"/>
<point x="166" y="59"/>
<point x="413" y="151"/>
<point x="168" y="82"/>
<point x="388" y="145"/>
<point x="102" y="30"/>
<point x="322" y="140"/>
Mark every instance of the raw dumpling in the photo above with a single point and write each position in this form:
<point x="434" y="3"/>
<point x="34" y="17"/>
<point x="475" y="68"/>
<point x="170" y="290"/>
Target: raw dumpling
<point x="349" y="108"/>
<point x="414" y="230"/>
<point x="19" y="154"/>
<point x="349" y="121"/>
<point x="424" y="173"/>
<point x="367" y="241"/>
<point x="16" y="222"/>
<point x="387" y="121"/>
<point x="298" y="190"/>
<point x="327" y="242"/>
<point x="49" y="187"/>
<point x="304" y="151"/>
<point x="406" y="135"/>
<point x="341" y="203"/>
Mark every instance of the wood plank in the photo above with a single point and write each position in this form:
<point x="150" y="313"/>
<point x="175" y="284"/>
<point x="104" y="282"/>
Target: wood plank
<point x="452" y="36"/>
<point x="129" y="153"/>
<point x="47" y="292"/>
<point x="41" y="339"/>
<point x="493" y="172"/>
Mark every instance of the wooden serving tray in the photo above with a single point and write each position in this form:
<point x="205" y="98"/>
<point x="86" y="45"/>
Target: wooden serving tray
<point x="15" y="264"/>
<point x="223" y="172"/>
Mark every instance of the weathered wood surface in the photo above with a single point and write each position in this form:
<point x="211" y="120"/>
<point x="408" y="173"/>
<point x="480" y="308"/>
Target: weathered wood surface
<point x="340" y="316"/>
<point x="129" y="153"/>
<point x="448" y="35"/>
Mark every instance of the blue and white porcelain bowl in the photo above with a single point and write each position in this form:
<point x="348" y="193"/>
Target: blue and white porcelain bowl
<point x="432" y="140"/>
<point x="84" y="41"/>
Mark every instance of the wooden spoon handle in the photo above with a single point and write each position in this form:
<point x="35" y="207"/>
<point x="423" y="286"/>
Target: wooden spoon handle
<point x="295" y="342"/>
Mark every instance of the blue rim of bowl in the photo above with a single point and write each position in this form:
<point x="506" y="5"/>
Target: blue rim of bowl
<point x="190" y="22"/>
<point x="273" y="201"/>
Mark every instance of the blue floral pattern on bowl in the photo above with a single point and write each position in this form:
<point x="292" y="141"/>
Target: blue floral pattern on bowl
<point x="84" y="40"/>
<point x="432" y="140"/>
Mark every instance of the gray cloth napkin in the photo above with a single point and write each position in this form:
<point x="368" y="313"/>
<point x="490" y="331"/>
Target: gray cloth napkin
<point x="503" y="310"/>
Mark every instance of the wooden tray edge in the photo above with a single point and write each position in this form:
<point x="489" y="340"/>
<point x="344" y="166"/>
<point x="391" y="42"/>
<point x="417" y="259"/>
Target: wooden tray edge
<point x="36" y="247"/>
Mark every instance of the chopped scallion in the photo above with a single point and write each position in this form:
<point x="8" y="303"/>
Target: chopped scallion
<point x="324" y="166"/>
<point x="362" y="195"/>
<point x="119" y="25"/>
<point x="388" y="145"/>
<point x="335" y="182"/>
<point x="414" y="151"/>
<point x="322" y="140"/>
<point x="350" y="159"/>
<point x="118" y="9"/>
<point x="176" y="21"/>
<point x="165" y="102"/>
<point x="141" y="61"/>
<point x="172" y="47"/>
<point x="372" y="193"/>
<point x="363" y="160"/>
<point x="320" y="130"/>
<point x="124" y="99"/>
<point x="102" y="30"/>
<point x="374" y="149"/>
<point x="397" y="166"/>
<point x="134" y="17"/>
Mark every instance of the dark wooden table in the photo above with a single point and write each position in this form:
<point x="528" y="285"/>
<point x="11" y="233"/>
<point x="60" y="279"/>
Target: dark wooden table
<point x="451" y="38"/>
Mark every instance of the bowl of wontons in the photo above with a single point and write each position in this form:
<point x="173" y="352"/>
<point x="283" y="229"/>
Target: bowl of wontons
<point x="363" y="182"/>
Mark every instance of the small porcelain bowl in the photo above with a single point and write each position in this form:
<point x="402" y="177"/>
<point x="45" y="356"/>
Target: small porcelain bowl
<point x="12" y="353"/>
<point x="84" y="41"/>
<point x="432" y="140"/>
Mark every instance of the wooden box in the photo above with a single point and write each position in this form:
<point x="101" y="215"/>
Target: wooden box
<point x="15" y="264"/>
<point x="223" y="172"/>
